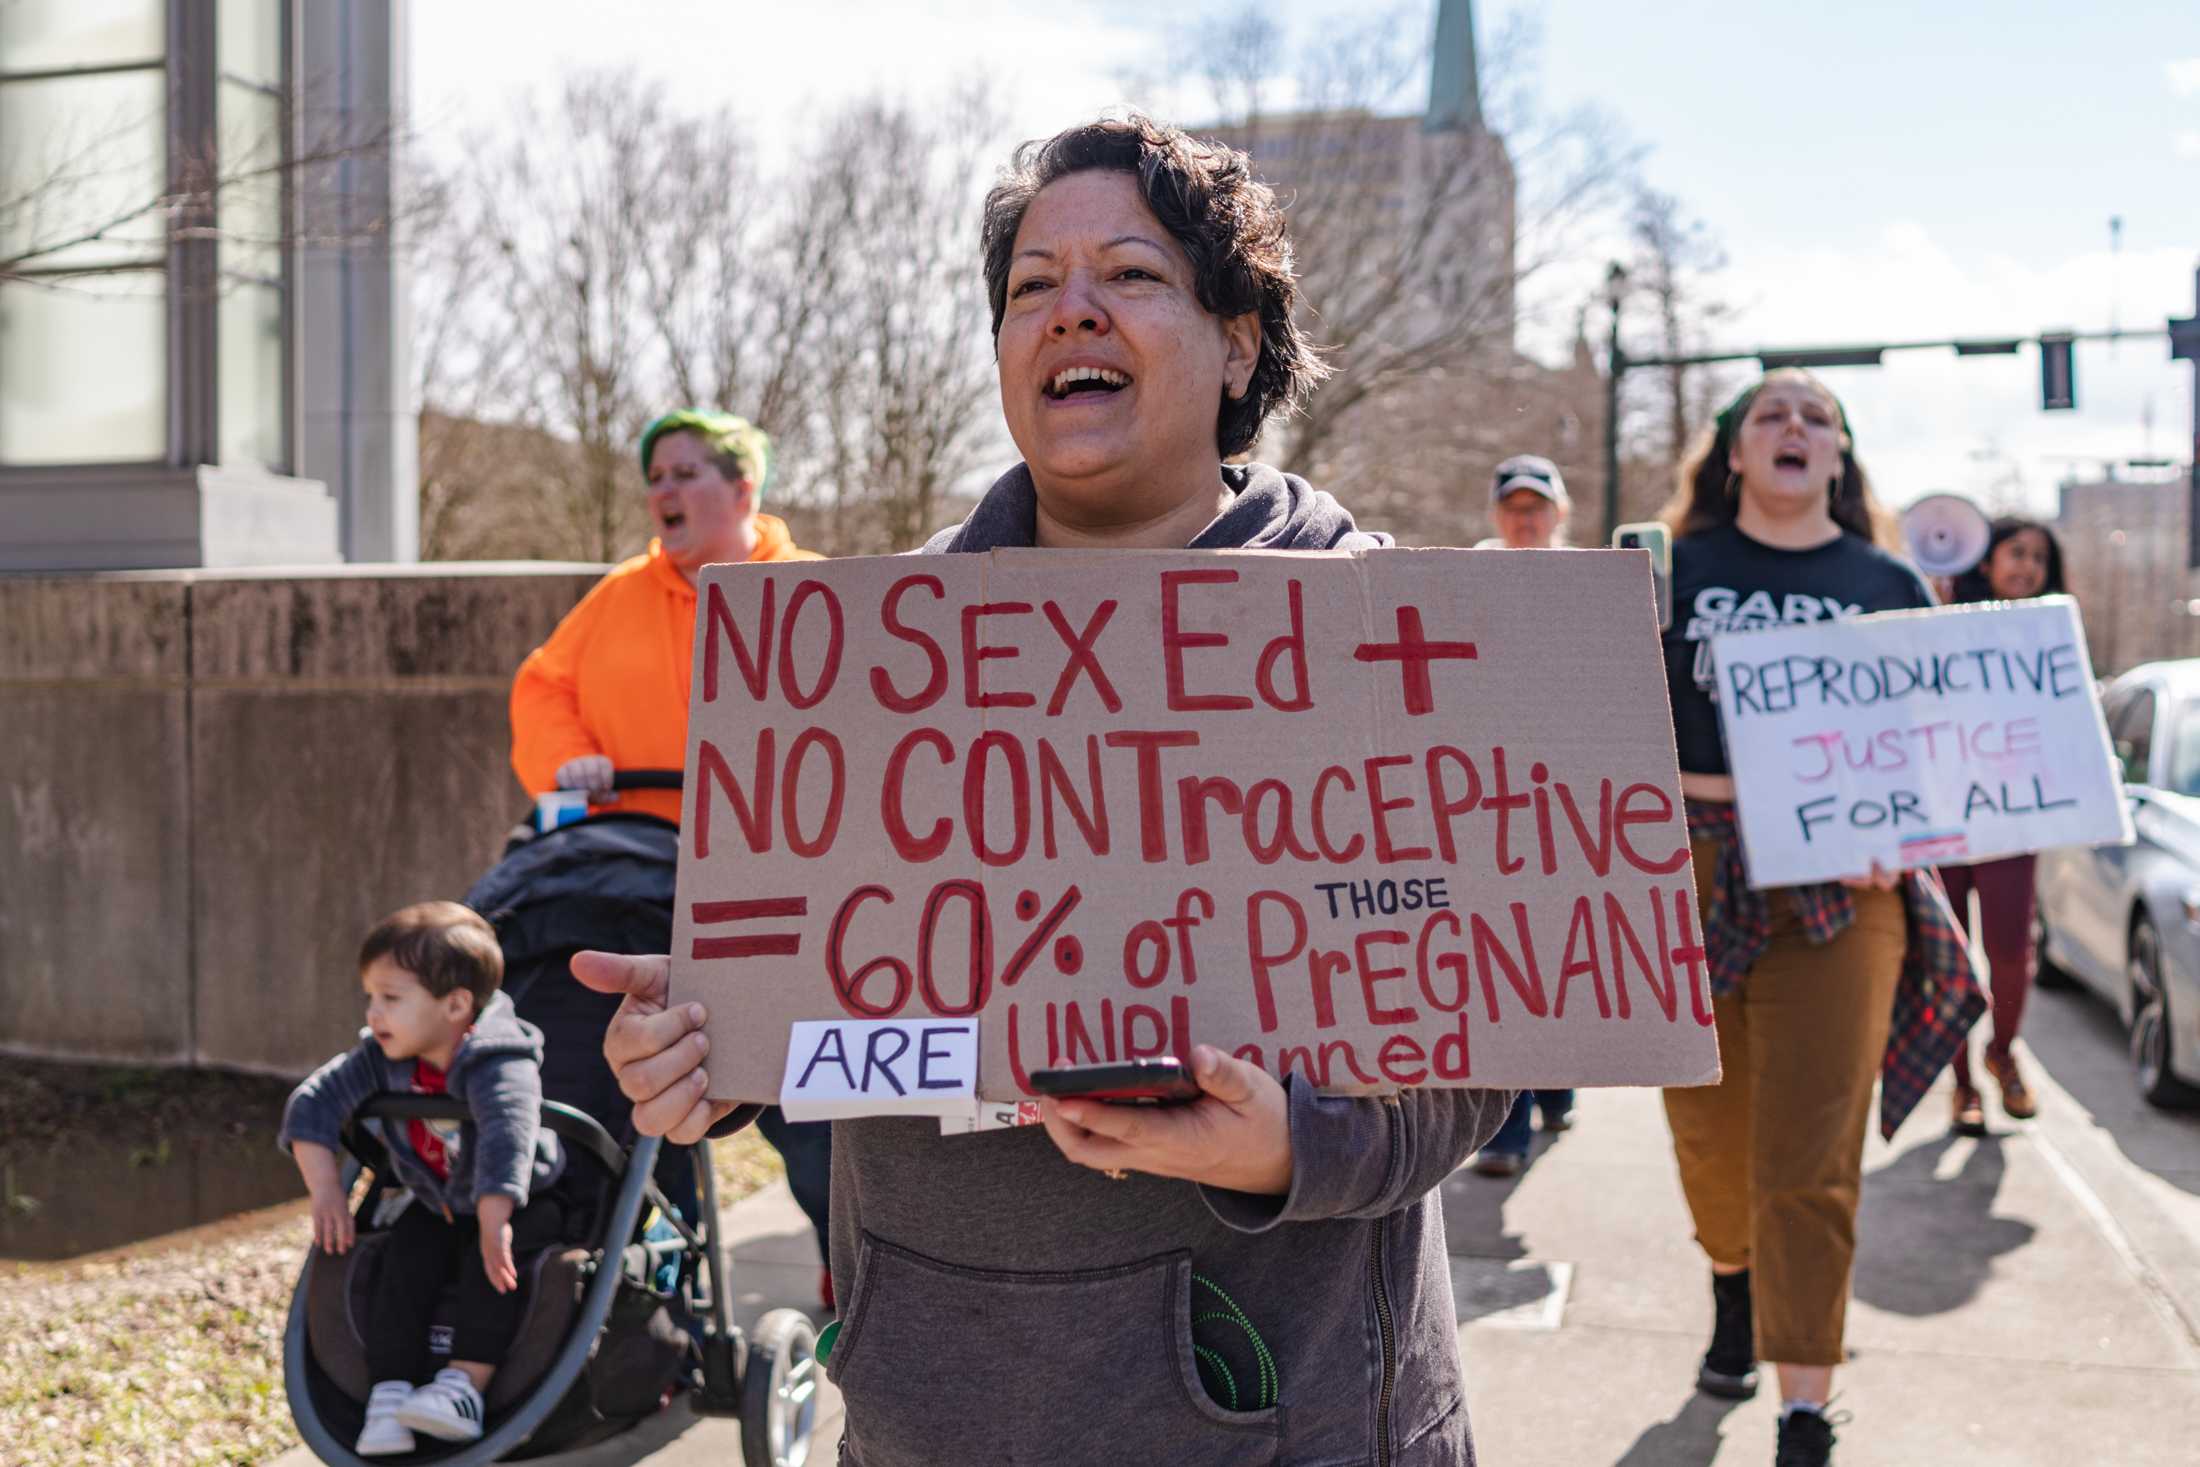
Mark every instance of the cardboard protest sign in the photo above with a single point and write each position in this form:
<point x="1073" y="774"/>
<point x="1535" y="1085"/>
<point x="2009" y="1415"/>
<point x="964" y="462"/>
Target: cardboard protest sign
<point x="1915" y="738"/>
<point x="1383" y="819"/>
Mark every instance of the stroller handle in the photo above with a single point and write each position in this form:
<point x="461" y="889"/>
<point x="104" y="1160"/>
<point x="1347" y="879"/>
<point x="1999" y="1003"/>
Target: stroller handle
<point x="648" y="779"/>
<point x="576" y="1126"/>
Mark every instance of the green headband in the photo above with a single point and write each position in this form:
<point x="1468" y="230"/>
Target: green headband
<point x="722" y="433"/>
<point x="1730" y="415"/>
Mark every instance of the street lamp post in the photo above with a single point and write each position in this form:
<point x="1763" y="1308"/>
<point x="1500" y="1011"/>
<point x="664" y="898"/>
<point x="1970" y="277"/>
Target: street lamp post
<point x="2115" y="558"/>
<point x="1615" y="367"/>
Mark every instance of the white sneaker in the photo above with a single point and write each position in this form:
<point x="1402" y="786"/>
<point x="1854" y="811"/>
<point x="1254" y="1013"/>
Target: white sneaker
<point x="384" y="1435"/>
<point x="447" y="1408"/>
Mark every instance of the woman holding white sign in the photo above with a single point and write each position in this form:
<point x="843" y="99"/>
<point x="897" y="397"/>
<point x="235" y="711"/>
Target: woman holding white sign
<point x="1774" y="523"/>
<point x="1030" y="1296"/>
<point x="2023" y="560"/>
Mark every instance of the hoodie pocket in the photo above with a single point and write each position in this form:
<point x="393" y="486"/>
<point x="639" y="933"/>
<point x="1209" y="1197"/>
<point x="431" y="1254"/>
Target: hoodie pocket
<point x="940" y="1364"/>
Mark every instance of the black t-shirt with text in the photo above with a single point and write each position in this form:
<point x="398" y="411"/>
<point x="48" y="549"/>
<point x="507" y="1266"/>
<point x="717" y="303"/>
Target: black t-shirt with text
<point x="1725" y="581"/>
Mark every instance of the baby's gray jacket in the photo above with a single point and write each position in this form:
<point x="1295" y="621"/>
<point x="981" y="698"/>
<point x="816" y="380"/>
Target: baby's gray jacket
<point x="497" y="1072"/>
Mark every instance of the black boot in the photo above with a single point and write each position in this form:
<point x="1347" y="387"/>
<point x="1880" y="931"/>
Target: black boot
<point x="1730" y="1365"/>
<point x="1806" y="1440"/>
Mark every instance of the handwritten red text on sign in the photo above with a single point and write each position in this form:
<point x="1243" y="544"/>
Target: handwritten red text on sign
<point x="1335" y="813"/>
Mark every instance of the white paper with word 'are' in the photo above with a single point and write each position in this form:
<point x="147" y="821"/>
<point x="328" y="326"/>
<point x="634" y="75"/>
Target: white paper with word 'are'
<point x="841" y="1068"/>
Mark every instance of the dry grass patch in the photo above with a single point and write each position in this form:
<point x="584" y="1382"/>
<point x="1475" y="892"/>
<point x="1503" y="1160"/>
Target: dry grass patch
<point x="157" y="1355"/>
<point x="744" y="1164"/>
<point x="172" y="1352"/>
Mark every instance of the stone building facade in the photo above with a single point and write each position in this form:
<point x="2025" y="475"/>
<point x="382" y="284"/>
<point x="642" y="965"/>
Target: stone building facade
<point x="2125" y="551"/>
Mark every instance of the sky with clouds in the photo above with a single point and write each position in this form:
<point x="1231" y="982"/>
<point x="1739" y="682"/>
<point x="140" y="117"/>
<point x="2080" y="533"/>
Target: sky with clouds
<point x="1883" y="172"/>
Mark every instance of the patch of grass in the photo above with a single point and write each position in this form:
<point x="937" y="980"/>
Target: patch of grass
<point x="744" y="1163"/>
<point x="171" y="1356"/>
<point x="173" y="1353"/>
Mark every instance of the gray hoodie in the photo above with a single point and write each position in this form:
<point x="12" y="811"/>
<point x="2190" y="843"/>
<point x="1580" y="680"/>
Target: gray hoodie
<point x="496" y="1071"/>
<point x="1004" y="1305"/>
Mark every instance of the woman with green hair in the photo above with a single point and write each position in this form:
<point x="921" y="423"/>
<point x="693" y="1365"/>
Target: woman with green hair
<point x="609" y="690"/>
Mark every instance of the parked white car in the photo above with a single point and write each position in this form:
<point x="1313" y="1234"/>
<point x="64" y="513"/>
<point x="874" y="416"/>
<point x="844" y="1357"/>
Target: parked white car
<point x="2125" y="920"/>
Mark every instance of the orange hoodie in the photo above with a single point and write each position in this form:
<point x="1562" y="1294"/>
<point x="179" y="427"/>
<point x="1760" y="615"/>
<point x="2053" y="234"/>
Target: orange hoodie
<point x="613" y="678"/>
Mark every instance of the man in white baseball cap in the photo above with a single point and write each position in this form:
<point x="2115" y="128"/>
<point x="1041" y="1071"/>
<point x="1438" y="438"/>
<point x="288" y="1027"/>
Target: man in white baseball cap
<point x="1528" y="503"/>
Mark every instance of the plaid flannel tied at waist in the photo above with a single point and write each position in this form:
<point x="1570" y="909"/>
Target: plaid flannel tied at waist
<point x="1936" y="1001"/>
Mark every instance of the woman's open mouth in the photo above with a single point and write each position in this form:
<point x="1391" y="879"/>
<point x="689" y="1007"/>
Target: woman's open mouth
<point x="670" y="522"/>
<point x="1791" y="458"/>
<point x="1082" y="381"/>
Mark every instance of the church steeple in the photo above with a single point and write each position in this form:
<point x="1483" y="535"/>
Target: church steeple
<point x="1455" y="85"/>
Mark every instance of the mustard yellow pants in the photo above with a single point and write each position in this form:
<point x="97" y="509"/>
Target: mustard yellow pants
<point x="1771" y="1158"/>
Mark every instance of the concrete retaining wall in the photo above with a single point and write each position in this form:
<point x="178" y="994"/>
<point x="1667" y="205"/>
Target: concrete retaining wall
<point x="212" y="784"/>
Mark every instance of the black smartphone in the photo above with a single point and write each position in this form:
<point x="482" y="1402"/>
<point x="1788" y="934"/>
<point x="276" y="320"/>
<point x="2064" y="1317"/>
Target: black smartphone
<point x="1658" y="540"/>
<point x="1159" y="1080"/>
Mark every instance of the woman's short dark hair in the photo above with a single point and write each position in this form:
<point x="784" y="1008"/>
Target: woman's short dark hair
<point x="1705" y="497"/>
<point x="443" y="944"/>
<point x="1227" y="220"/>
<point x="1972" y="585"/>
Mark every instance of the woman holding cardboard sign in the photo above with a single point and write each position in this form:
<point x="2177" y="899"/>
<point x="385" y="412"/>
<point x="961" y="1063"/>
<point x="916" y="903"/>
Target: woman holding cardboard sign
<point x="1775" y="521"/>
<point x="1029" y="1296"/>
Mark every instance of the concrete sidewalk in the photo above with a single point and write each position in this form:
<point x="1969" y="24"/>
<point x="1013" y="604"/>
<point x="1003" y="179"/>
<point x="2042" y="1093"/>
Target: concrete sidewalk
<point x="2029" y="1298"/>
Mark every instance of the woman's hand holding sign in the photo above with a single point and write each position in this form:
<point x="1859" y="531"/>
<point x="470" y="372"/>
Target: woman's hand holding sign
<point x="1879" y="878"/>
<point x="1237" y="1135"/>
<point x="655" y="1051"/>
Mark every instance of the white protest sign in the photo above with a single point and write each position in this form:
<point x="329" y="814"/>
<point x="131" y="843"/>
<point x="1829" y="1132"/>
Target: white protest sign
<point x="1378" y="819"/>
<point x="1915" y="738"/>
<point x="839" y="1068"/>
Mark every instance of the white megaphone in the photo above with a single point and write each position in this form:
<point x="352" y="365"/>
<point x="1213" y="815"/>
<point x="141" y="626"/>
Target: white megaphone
<point x="1947" y="534"/>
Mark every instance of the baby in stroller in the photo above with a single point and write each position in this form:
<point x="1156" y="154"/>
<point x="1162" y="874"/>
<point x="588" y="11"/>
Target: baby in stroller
<point x="481" y="1190"/>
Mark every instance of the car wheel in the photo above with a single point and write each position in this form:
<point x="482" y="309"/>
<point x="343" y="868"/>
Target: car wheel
<point x="2046" y="972"/>
<point x="2150" y="1026"/>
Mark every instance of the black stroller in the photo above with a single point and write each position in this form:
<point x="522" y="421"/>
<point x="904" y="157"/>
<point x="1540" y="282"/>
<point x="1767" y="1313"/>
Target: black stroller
<point x="636" y="1304"/>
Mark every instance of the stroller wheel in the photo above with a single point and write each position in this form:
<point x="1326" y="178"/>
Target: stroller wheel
<point x="779" y="1391"/>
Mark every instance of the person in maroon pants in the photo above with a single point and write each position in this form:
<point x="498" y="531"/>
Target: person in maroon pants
<point x="2022" y="560"/>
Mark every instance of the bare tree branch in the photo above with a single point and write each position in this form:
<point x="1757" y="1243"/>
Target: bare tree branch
<point x="1420" y="251"/>
<point x="1674" y="261"/>
<point x="643" y="261"/>
<point x="53" y="209"/>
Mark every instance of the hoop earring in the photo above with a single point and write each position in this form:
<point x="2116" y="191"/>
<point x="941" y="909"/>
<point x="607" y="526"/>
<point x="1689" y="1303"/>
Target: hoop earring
<point x="1733" y="486"/>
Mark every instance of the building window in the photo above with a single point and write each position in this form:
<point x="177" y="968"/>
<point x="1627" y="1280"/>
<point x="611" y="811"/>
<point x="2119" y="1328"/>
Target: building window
<point x="144" y="232"/>
<point x="252" y="121"/>
<point x="84" y="110"/>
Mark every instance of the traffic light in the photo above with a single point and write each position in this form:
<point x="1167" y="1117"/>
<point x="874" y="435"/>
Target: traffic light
<point x="2184" y="346"/>
<point x="2058" y="371"/>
